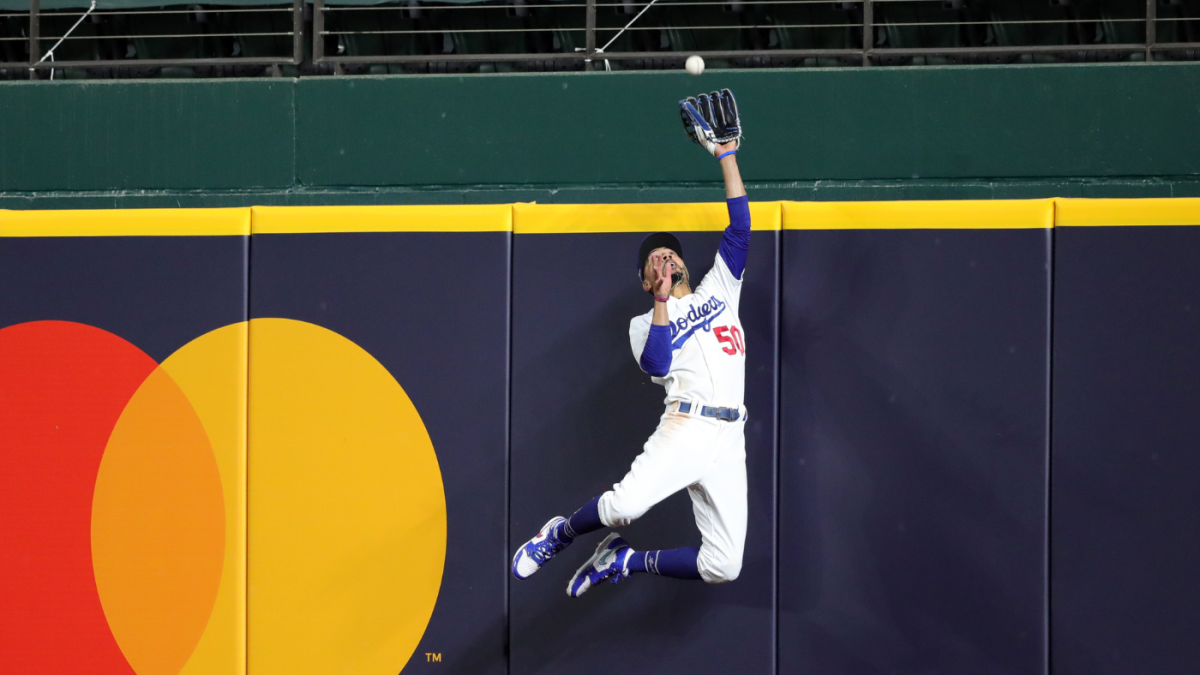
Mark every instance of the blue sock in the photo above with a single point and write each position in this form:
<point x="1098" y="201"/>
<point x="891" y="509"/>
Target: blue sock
<point x="677" y="563"/>
<point x="586" y="519"/>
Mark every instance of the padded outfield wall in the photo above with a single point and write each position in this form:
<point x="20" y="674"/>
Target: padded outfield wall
<point x="302" y="440"/>
<point x="1005" y="132"/>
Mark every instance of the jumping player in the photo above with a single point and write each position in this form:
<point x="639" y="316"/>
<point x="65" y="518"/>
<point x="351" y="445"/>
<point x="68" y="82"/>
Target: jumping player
<point x="693" y="344"/>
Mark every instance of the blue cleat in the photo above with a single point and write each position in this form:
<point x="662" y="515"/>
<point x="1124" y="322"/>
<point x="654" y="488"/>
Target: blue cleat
<point x="609" y="562"/>
<point x="537" y="551"/>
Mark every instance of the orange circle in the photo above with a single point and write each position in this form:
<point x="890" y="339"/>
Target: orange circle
<point x="158" y="528"/>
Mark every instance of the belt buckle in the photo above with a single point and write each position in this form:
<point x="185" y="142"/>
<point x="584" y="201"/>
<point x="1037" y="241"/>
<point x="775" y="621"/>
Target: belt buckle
<point x="713" y="412"/>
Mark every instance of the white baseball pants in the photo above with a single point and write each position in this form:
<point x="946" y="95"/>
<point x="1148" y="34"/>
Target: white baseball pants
<point x="706" y="456"/>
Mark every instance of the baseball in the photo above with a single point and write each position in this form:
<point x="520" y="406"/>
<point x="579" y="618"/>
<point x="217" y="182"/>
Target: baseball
<point x="694" y="65"/>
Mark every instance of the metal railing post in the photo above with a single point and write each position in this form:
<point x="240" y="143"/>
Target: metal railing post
<point x="35" y="30"/>
<point x="318" y="30"/>
<point x="590" y="36"/>
<point x="868" y="31"/>
<point x="1151" y="28"/>
<point x="297" y="31"/>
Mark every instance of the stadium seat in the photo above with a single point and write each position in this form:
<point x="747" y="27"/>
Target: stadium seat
<point x="924" y="25"/>
<point x="643" y="36"/>
<point x="1111" y="22"/>
<point x="839" y="27"/>
<point x="1028" y="23"/>
<point x="80" y="46"/>
<point x="558" y="31"/>
<point x="14" y="50"/>
<point x="359" y="33"/>
<point x="1117" y="21"/>
<point x="249" y="28"/>
<point x="565" y="24"/>
<point x="490" y="29"/>
<point x="172" y="36"/>
<point x="1178" y="21"/>
<point x="693" y="28"/>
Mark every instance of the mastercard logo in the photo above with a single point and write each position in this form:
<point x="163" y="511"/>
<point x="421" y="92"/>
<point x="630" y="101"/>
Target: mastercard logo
<point x="201" y="516"/>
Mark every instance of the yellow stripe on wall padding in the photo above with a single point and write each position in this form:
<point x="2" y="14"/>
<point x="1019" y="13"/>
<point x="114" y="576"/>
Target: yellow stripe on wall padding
<point x="1109" y="212"/>
<point x="992" y="214"/>
<point x="599" y="218"/>
<point x="447" y="218"/>
<point x="583" y="218"/>
<point x="126" y="223"/>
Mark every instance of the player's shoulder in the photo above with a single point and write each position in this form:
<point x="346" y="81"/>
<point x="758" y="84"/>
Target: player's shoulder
<point x="642" y="320"/>
<point x="722" y="268"/>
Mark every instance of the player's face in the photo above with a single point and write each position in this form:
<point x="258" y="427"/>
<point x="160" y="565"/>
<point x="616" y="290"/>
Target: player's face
<point x="674" y="266"/>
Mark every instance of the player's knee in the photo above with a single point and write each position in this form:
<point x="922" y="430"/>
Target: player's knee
<point x="719" y="569"/>
<point x="618" y="511"/>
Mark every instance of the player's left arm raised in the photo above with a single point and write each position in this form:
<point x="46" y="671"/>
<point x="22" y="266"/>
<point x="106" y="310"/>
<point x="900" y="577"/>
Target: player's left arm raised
<point x="712" y="120"/>
<point x="736" y="242"/>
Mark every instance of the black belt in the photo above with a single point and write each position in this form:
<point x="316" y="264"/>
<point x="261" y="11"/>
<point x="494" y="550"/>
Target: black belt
<point x="725" y="414"/>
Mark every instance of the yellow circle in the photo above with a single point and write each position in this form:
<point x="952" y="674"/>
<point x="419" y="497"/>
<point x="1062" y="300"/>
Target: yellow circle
<point x="347" y="513"/>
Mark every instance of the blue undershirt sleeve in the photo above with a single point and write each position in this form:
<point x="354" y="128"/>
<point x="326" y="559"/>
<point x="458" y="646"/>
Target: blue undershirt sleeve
<point x="656" y="355"/>
<point x="736" y="241"/>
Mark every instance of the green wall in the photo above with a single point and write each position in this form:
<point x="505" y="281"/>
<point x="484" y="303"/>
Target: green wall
<point x="881" y="133"/>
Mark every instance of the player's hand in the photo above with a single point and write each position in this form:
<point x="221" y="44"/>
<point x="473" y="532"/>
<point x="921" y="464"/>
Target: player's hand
<point x="661" y="269"/>
<point x="712" y="120"/>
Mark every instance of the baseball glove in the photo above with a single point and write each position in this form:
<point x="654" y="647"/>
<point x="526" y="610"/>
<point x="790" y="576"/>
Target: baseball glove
<point x="712" y="119"/>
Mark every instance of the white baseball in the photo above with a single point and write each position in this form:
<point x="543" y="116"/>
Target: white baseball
<point x="694" y="65"/>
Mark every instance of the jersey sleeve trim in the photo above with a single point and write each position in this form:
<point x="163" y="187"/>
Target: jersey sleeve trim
<point x="656" y="355"/>
<point x="736" y="242"/>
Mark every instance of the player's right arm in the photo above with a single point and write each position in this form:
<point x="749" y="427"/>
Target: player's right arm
<point x="656" y="353"/>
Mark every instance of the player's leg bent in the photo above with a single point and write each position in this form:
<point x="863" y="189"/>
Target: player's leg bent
<point x="614" y="561"/>
<point x="719" y="504"/>
<point x="554" y="537"/>
<point x="675" y="563"/>
<point x="608" y="563"/>
<point x="675" y="456"/>
<point x="536" y="552"/>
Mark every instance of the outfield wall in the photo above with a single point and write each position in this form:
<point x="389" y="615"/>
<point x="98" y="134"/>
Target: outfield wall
<point x="320" y="432"/>
<point x="986" y="132"/>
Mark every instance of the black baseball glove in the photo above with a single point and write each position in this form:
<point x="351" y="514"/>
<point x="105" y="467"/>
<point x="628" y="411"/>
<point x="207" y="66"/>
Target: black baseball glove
<point x="712" y="119"/>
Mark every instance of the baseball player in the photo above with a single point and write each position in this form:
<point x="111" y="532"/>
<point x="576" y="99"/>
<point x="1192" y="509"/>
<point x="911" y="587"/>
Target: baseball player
<point x="693" y="344"/>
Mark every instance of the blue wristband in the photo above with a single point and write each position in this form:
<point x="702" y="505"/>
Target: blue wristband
<point x="726" y="154"/>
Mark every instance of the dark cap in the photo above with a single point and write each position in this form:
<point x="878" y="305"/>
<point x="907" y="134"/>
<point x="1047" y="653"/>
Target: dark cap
<point x="654" y="242"/>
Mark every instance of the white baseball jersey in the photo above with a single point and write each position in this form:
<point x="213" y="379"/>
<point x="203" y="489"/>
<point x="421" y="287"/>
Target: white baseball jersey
<point x="708" y="345"/>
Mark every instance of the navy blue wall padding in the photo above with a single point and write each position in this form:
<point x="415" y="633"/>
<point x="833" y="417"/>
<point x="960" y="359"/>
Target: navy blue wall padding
<point x="433" y="309"/>
<point x="581" y="411"/>
<point x="1125" y="505"/>
<point x="159" y="293"/>
<point x="913" y="451"/>
<point x="912" y="446"/>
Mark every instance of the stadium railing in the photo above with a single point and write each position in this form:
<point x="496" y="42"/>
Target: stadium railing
<point x="139" y="38"/>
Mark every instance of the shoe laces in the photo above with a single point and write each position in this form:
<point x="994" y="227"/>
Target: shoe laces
<point x="547" y="549"/>
<point x="614" y="574"/>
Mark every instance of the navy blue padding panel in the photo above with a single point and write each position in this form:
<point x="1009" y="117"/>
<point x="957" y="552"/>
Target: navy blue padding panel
<point x="582" y="410"/>
<point x="159" y="293"/>
<point x="1125" y="503"/>
<point x="433" y="309"/>
<point x="913" y="451"/>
